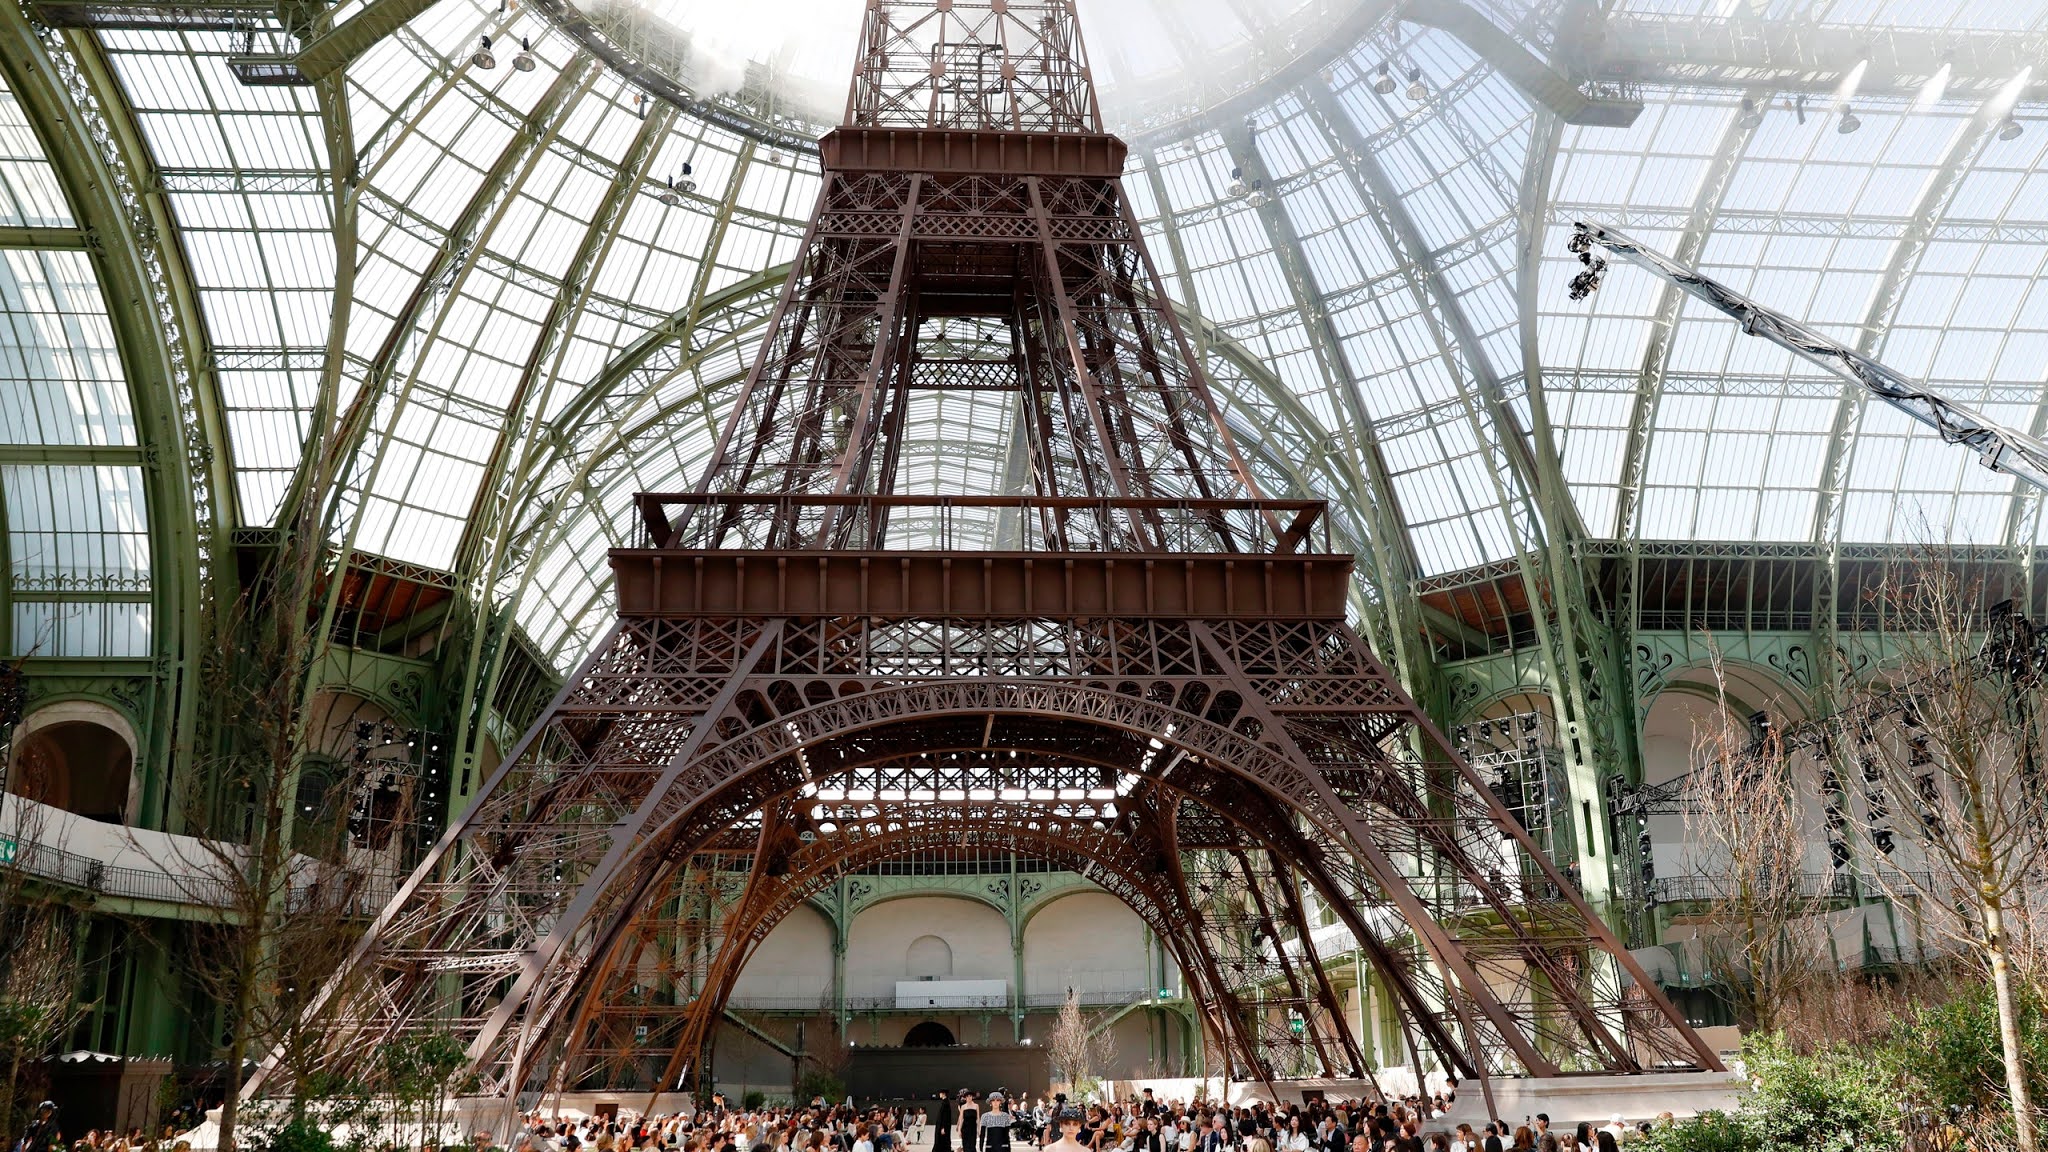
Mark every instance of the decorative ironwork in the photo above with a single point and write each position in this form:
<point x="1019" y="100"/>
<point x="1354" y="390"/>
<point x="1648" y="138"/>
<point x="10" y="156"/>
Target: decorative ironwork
<point x="1146" y="678"/>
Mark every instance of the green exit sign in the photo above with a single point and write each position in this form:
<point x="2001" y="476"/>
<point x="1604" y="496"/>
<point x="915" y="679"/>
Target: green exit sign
<point x="8" y="848"/>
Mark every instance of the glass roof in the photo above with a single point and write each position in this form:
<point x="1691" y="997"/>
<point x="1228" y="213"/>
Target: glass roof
<point x="77" y="517"/>
<point x="531" y="334"/>
<point x="1151" y="59"/>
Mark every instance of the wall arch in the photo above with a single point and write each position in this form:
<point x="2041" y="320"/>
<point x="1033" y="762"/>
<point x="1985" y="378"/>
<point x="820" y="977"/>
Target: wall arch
<point x="1689" y="704"/>
<point x="1088" y="941"/>
<point x="976" y="936"/>
<point x="793" y="963"/>
<point x="929" y="957"/>
<point x="81" y="756"/>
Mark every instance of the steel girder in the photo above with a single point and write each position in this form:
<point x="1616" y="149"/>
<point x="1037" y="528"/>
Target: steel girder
<point x="1568" y="635"/>
<point x="1158" y="629"/>
<point x="1122" y="853"/>
<point x="1392" y="549"/>
<point x="805" y="843"/>
<point x="1746" y="50"/>
<point x="1692" y="240"/>
<point x="625" y="776"/>
<point x="96" y="152"/>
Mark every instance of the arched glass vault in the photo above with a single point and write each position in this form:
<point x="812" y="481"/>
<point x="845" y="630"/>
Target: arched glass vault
<point x="526" y="311"/>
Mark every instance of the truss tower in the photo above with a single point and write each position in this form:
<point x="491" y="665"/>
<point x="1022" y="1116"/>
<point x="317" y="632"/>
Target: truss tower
<point x="1130" y="661"/>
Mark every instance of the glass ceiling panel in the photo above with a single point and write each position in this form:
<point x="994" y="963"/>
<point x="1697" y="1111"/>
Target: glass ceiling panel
<point x="29" y="195"/>
<point x="77" y="531"/>
<point x="245" y="171"/>
<point x="61" y="380"/>
<point x="1403" y="252"/>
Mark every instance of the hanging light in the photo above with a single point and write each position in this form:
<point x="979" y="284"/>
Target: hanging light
<point x="482" y="57"/>
<point x="1258" y="197"/>
<point x="1238" y="189"/>
<point x="1849" y="122"/>
<point x="684" y="184"/>
<point x="1383" y="81"/>
<point x="668" y="195"/>
<point x="640" y="104"/>
<point x="2011" y="129"/>
<point x="1935" y="88"/>
<point x="524" y="61"/>
<point x="1417" y="90"/>
<point x="1752" y="116"/>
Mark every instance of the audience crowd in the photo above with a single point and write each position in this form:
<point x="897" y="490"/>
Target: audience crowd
<point x="967" y="1122"/>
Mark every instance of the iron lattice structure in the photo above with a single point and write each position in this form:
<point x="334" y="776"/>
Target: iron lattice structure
<point x="1132" y="664"/>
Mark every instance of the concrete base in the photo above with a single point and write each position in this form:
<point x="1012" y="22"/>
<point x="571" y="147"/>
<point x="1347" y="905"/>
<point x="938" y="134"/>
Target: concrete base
<point x="1570" y="1099"/>
<point x="1566" y="1100"/>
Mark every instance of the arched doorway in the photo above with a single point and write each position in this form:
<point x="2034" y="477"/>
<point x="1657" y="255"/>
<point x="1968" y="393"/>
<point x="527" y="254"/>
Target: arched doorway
<point x="76" y="756"/>
<point x="929" y="1034"/>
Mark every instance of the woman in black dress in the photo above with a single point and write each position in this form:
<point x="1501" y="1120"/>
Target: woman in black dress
<point x="970" y="1123"/>
<point x="942" y="1125"/>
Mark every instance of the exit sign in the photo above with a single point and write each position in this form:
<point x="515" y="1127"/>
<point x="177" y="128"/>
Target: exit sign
<point x="8" y="848"/>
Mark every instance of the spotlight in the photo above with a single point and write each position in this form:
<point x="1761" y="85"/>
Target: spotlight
<point x="1849" y="122"/>
<point x="2011" y="129"/>
<point x="1417" y="90"/>
<point x="1258" y="197"/>
<point x="482" y="57"/>
<point x="1238" y="189"/>
<point x="1383" y="81"/>
<point x="524" y="61"/>
<point x="1752" y="116"/>
<point x="668" y="195"/>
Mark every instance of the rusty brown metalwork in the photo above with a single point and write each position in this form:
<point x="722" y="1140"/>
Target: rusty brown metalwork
<point x="1137" y="667"/>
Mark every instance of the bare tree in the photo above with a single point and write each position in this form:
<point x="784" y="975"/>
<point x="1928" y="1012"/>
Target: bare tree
<point x="39" y="966"/>
<point x="1078" y="1047"/>
<point x="1764" y="926"/>
<point x="1947" y="736"/>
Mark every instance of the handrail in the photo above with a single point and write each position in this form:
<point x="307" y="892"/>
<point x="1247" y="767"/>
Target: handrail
<point x="60" y="866"/>
<point x="1096" y="998"/>
<point x="1042" y="523"/>
<point x="56" y="865"/>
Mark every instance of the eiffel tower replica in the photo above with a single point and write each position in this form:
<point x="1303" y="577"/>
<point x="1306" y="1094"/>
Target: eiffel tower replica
<point x="1133" y="663"/>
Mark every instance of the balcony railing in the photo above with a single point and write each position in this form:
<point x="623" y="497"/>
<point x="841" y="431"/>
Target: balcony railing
<point x="1702" y="887"/>
<point x="1031" y="1002"/>
<point x="72" y="870"/>
<point x="695" y="521"/>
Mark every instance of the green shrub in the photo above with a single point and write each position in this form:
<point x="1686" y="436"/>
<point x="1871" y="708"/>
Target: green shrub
<point x="1951" y="1059"/>
<point x="753" y="1101"/>
<point x="816" y="1083"/>
<point x="1828" y="1101"/>
<point x="301" y="1136"/>
<point x="1706" y="1132"/>
<point x="1836" y="1098"/>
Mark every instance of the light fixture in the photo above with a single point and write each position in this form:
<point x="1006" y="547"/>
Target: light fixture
<point x="1417" y="90"/>
<point x="2011" y="129"/>
<point x="1752" y="116"/>
<point x="1238" y="189"/>
<point x="1849" y="122"/>
<point x="683" y="183"/>
<point x="1383" y="81"/>
<point x="640" y="104"/>
<point x="524" y="61"/>
<point x="668" y="195"/>
<point x="1258" y="197"/>
<point x="1935" y="88"/>
<point x="1799" y="107"/>
<point x="482" y="57"/>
